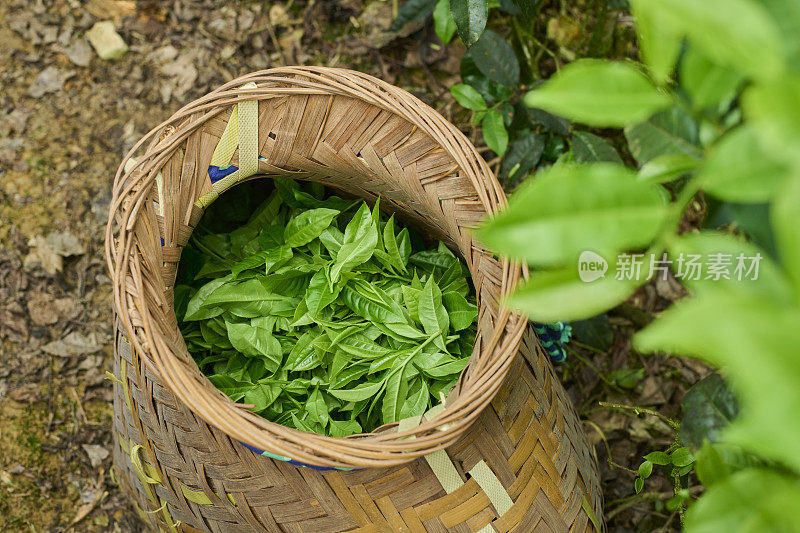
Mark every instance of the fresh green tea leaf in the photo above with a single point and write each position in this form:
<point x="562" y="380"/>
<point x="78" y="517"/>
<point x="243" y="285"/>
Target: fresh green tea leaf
<point x="467" y="96"/>
<point x="606" y="94"/>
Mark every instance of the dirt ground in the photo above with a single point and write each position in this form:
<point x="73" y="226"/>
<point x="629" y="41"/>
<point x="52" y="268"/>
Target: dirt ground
<point x="67" y="118"/>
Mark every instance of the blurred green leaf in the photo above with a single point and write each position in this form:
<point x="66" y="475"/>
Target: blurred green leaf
<point x="659" y="44"/>
<point x="784" y="216"/>
<point x="443" y="23"/>
<point x="749" y="325"/>
<point x="412" y="10"/>
<point x="599" y="93"/>
<point x="773" y="110"/>
<point x="706" y="82"/>
<point x="738" y="170"/>
<point x="571" y="208"/>
<point x="738" y="256"/>
<point x="739" y="33"/>
<point x="786" y="14"/>
<point x="750" y="501"/>
<point x="709" y="466"/>
<point x="496" y="59"/>
<point x="554" y="295"/>
<point x="667" y="167"/>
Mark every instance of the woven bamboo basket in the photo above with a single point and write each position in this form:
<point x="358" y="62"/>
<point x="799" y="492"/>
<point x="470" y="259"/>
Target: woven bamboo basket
<point x="504" y="453"/>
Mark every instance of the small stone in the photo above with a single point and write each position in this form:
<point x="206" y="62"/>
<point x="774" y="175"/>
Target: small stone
<point x="106" y="41"/>
<point x="65" y="244"/>
<point x="40" y="308"/>
<point x="42" y="254"/>
<point x="79" y="52"/>
<point x="49" y="80"/>
<point x="73" y="344"/>
<point x="96" y="454"/>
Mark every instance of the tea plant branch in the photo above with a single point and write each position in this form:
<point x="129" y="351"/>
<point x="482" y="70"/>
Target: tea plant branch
<point x="642" y="410"/>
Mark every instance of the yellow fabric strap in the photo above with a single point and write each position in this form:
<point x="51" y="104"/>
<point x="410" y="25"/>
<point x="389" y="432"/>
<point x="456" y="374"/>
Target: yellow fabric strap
<point x="409" y="423"/>
<point x="492" y="487"/>
<point x="440" y="463"/>
<point x="248" y="135"/>
<point x="227" y="143"/>
<point x="242" y="132"/>
<point x="444" y="470"/>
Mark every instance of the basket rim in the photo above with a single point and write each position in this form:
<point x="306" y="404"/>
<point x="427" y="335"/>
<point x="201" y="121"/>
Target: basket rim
<point x="478" y="383"/>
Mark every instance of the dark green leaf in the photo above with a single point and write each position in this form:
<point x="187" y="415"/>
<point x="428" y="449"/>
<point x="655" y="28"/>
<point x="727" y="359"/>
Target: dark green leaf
<point x="589" y="148"/>
<point x="496" y="59"/>
<point x="470" y="18"/>
<point x="669" y="132"/>
<point x="595" y="331"/>
<point x="708" y="408"/>
<point x="522" y="156"/>
<point x="412" y="10"/>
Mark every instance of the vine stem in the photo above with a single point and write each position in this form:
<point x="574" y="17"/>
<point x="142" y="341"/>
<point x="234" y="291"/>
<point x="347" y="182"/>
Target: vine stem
<point x="638" y="410"/>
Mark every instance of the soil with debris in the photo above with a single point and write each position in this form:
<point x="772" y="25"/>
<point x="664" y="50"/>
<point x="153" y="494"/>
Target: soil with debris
<point x="67" y="117"/>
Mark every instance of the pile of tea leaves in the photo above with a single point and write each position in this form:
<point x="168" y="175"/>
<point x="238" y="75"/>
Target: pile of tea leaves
<point x="322" y="315"/>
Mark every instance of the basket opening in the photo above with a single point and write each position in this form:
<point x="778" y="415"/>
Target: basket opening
<point x="234" y="207"/>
